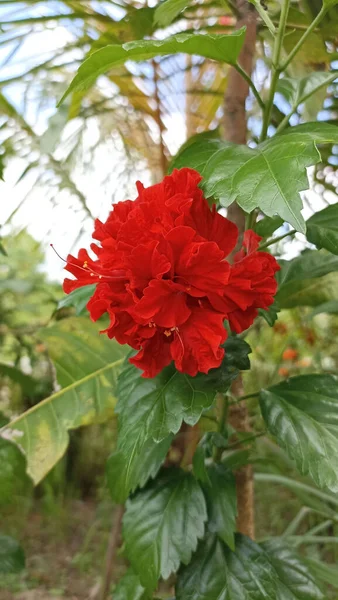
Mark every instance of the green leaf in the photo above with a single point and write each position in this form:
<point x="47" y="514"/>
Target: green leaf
<point x="298" y="279"/>
<point x="14" y="482"/>
<point x="302" y="414"/>
<point x="150" y="411"/>
<point x="12" y="558"/>
<point x="256" y="177"/>
<point x="330" y="307"/>
<point x="2" y="249"/>
<point x="271" y="314"/>
<point x="196" y="152"/>
<point x="296" y="91"/>
<point x="267" y="226"/>
<point x="317" y="132"/>
<point x="78" y="298"/>
<point x="130" y="588"/>
<point x="224" y="48"/>
<point x="162" y="525"/>
<point x="166" y="12"/>
<point x="222" y="503"/>
<point x="199" y="467"/>
<point x="323" y="572"/>
<point x="236" y="359"/>
<point x="87" y="366"/>
<point x="322" y="229"/>
<point x="256" y="572"/>
<point x="329" y="3"/>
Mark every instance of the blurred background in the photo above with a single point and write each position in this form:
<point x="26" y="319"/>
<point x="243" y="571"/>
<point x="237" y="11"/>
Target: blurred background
<point x="62" y="168"/>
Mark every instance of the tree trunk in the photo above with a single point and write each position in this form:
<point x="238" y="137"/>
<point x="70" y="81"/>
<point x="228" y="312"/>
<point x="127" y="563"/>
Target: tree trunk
<point x="236" y="131"/>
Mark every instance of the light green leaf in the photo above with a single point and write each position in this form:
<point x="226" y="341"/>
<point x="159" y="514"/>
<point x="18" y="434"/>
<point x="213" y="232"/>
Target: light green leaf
<point x="298" y="279"/>
<point x="252" y="572"/>
<point x="150" y="411"/>
<point x="322" y="229"/>
<point x="12" y="558"/>
<point x="162" y="525"/>
<point x="329" y="3"/>
<point x="302" y="414"/>
<point x="87" y="366"/>
<point x="130" y="588"/>
<point x="166" y="11"/>
<point x="224" y="48"/>
<point x="296" y="91"/>
<point x="222" y="503"/>
<point x="317" y="132"/>
<point x="267" y="226"/>
<point x="78" y="298"/>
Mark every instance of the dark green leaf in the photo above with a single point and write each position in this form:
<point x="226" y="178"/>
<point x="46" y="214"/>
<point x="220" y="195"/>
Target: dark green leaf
<point x="267" y="226"/>
<point x="199" y="467"/>
<point x="297" y="279"/>
<point x="271" y="314"/>
<point x="166" y="11"/>
<point x="12" y="558"/>
<point x="302" y="414"/>
<point x="130" y="588"/>
<point x="78" y="298"/>
<point x="224" y="48"/>
<point x="296" y="91"/>
<point x="150" y="411"/>
<point x="267" y="572"/>
<point x="2" y="250"/>
<point x="14" y="482"/>
<point x="162" y="525"/>
<point x="322" y="229"/>
<point x="236" y="359"/>
<point x="222" y="504"/>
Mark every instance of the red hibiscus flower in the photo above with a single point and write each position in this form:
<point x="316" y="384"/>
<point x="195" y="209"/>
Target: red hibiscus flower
<point x="162" y="276"/>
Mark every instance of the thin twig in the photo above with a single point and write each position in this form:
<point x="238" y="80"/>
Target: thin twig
<point x="114" y="540"/>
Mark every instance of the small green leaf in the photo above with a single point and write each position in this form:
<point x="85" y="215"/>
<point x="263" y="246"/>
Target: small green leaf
<point x="87" y="366"/>
<point x="302" y="414"/>
<point x="298" y="279"/>
<point x="162" y="525"/>
<point x="296" y="91"/>
<point x="267" y="226"/>
<point x="256" y="572"/>
<point x="222" y="503"/>
<point x="199" y="467"/>
<point x="2" y="249"/>
<point x="271" y="314"/>
<point x="12" y="558"/>
<point x="78" y="298"/>
<point x="322" y="229"/>
<point x="166" y="11"/>
<point x="224" y="48"/>
<point x="130" y="588"/>
<point x="150" y="411"/>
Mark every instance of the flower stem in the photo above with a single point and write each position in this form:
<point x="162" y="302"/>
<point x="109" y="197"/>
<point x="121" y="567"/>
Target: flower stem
<point x="306" y="34"/>
<point x="276" y="67"/>
<point x="276" y="239"/>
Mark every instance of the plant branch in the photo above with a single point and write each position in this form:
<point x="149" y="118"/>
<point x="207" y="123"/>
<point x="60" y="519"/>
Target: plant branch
<point x="306" y="34"/>
<point x="276" y="68"/>
<point x="113" y="544"/>
<point x="296" y="486"/>
<point x="276" y="239"/>
<point x="251" y="84"/>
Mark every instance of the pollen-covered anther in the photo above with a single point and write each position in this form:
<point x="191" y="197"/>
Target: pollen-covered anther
<point x="168" y="332"/>
<point x="85" y="264"/>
